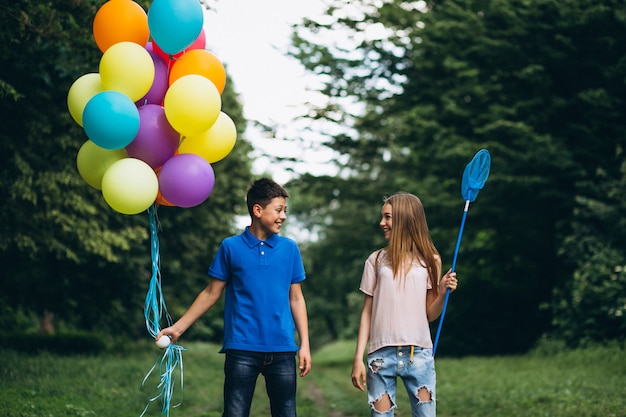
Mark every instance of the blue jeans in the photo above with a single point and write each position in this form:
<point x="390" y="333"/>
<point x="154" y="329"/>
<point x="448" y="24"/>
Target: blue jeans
<point x="241" y="370"/>
<point x="417" y="373"/>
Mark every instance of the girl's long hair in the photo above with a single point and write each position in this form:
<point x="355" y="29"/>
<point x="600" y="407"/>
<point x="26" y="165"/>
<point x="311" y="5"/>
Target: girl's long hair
<point x="410" y="239"/>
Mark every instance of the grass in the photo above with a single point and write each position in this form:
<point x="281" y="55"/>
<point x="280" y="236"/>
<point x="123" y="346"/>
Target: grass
<point x="585" y="383"/>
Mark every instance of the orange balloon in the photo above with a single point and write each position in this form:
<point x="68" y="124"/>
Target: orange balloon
<point x="200" y="62"/>
<point x="120" y="21"/>
<point x="160" y="200"/>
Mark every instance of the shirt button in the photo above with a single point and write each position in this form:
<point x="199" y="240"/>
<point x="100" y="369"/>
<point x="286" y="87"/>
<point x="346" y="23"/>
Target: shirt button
<point x="401" y="363"/>
<point x="262" y="253"/>
<point x="399" y="353"/>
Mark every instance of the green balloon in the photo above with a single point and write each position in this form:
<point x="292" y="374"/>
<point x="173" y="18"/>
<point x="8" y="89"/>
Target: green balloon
<point x="92" y="162"/>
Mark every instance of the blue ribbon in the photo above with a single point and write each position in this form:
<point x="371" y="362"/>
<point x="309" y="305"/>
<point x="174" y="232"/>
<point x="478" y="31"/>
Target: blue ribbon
<point x="154" y="310"/>
<point x="167" y="364"/>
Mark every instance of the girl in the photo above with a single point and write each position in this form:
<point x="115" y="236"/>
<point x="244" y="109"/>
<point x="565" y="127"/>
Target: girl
<point x="402" y="295"/>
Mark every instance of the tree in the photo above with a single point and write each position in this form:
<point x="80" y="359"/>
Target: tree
<point x="539" y="83"/>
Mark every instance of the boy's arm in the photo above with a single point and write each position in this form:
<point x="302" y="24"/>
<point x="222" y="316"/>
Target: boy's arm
<point x="203" y="302"/>
<point x="300" y="318"/>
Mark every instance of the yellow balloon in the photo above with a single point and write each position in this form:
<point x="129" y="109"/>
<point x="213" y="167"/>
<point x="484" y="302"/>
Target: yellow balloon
<point x="81" y="91"/>
<point x="213" y="144"/>
<point x="192" y="104"/>
<point x="92" y="162"/>
<point x="128" y="68"/>
<point x="130" y="186"/>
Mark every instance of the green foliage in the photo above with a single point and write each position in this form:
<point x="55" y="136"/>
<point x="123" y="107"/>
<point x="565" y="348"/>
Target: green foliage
<point x="539" y="83"/>
<point x="63" y="249"/>
<point x="591" y="308"/>
<point x="61" y="343"/>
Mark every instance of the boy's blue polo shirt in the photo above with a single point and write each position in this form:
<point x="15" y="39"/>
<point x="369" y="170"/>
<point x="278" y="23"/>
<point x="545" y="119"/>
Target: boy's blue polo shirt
<point x="259" y="274"/>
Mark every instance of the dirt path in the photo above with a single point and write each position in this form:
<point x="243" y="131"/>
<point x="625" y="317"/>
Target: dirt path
<point x="315" y="394"/>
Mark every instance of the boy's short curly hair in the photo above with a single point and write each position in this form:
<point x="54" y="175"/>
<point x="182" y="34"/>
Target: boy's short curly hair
<point x="262" y="191"/>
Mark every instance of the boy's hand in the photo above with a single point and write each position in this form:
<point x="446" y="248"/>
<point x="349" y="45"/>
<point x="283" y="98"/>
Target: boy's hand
<point x="168" y="331"/>
<point x="304" y="361"/>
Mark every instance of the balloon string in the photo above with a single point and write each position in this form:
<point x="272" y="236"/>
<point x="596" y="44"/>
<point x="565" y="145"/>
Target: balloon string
<point x="154" y="309"/>
<point x="172" y="358"/>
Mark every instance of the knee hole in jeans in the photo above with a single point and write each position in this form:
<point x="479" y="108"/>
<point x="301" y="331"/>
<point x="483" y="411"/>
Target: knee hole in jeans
<point x="383" y="403"/>
<point x="424" y="395"/>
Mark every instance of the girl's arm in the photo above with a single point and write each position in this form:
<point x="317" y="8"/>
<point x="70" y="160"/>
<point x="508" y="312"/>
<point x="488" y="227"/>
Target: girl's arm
<point x="434" y="303"/>
<point x="300" y="318"/>
<point x="358" y="367"/>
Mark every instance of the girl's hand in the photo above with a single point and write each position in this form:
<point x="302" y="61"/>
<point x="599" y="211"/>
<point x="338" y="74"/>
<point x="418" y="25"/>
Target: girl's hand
<point x="448" y="281"/>
<point x="358" y="375"/>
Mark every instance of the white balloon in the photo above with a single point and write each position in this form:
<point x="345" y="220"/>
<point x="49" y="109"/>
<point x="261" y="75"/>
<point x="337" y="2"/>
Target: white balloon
<point x="163" y="342"/>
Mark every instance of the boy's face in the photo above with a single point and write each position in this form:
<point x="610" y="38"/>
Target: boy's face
<point x="272" y="216"/>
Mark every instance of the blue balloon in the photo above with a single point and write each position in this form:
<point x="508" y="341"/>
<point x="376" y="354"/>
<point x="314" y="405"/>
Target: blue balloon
<point x="175" y="24"/>
<point x="111" y="120"/>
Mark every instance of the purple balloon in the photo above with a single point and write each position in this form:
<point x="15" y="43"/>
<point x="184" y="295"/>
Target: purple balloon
<point x="156" y="141"/>
<point x="156" y="93"/>
<point x="186" y="180"/>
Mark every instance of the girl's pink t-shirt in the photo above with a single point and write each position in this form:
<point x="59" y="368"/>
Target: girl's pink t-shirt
<point x="398" y="305"/>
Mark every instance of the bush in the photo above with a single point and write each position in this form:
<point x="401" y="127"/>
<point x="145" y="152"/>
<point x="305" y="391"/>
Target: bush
<point x="61" y="343"/>
<point x="592" y="308"/>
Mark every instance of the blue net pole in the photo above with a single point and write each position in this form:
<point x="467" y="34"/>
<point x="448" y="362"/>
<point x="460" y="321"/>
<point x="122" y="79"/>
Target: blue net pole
<point x="474" y="177"/>
<point x="454" y="258"/>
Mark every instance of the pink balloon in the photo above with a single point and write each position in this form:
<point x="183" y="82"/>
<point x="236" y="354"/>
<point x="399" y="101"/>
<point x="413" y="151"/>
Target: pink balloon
<point x="199" y="43"/>
<point x="159" y="87"/>
<point x="186" y="180"/>
<point x="156" y="141"/>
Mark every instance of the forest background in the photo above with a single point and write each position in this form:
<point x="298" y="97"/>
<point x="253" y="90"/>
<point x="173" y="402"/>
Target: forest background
<point x="541" y="84"/>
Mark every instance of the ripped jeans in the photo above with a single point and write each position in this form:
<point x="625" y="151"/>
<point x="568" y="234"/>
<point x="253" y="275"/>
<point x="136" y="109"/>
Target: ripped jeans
<point x="417" y="372"/>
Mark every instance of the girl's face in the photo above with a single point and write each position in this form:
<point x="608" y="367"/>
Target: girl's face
<point x="386" y="220"/>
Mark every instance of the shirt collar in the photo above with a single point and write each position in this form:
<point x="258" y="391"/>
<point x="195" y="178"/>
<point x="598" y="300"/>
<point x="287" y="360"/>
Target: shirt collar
<point x="253" y="241"/>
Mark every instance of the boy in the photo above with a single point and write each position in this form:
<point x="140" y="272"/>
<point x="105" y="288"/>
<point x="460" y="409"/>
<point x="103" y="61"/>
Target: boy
<point x="261" y="273"/>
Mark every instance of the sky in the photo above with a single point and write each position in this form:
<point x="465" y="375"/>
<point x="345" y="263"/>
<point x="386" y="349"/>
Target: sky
<point x="250" y="37"/>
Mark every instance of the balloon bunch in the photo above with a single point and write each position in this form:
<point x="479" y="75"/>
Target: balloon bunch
<point x="152" y="116"/>
<point x="152" y="113"/>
